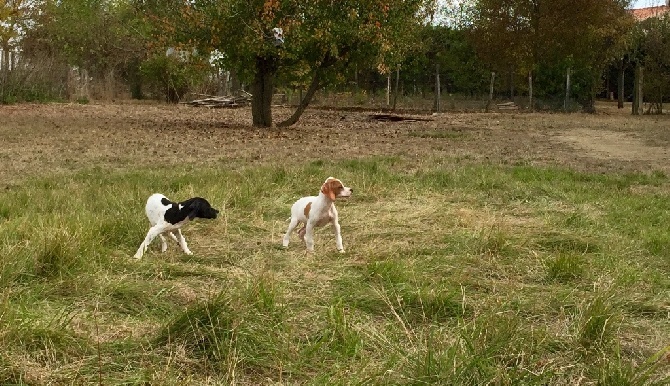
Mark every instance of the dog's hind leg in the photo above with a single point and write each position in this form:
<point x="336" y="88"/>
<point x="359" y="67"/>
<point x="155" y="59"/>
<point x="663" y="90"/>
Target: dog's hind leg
<point x="153" y="232"/>
<point x="309" y="236"/>
<point x="182" y="242"/>
<point x="291" y="227"/>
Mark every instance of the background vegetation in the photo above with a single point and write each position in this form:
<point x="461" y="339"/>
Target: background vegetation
<point x="171" y="50"/>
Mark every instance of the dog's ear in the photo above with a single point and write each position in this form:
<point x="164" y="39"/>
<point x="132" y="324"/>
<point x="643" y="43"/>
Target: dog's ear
<point x="327" y="189"/>
<point x="194" y="209"/>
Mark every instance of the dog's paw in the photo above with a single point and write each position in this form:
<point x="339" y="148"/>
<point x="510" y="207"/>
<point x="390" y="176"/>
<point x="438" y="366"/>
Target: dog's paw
<point x="341" y="250"/>
<point x="188" y="253"/>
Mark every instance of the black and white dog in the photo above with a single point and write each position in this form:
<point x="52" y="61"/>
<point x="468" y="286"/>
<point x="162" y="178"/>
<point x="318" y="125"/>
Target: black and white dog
<point x="167" y="216"/>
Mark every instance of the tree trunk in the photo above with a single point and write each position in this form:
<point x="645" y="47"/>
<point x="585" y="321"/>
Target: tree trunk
<point x="12" y="61"/>
<point x="660" y="98"/>
<point x="304" y="102"/>
<point x="261" y="89"/>
<point x="588" y="99"/>
<point x="5" y="58"/>
<point x="235" y="85"/>
<point x="327" y="61"/>
<point x="637" y="90"/>
<point x="620" y="81"/>
<point x="567" y="90"/>
<point x="4" y="68"/>
<point x="589" y="104"/>
<point x="530" y="90"/>
<point x="356" y="78"/>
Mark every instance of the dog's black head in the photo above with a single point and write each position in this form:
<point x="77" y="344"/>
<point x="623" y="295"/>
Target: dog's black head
<point x="200" y="208"/>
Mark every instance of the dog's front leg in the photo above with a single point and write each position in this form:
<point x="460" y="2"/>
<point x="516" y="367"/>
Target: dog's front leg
<point x="338" y="236"/>
<point x="163" y="243"/>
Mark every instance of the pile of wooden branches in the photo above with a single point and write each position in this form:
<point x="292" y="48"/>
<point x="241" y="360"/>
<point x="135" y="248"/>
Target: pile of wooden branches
<point x="507" y="106"/>
<point x="218" y="102"/>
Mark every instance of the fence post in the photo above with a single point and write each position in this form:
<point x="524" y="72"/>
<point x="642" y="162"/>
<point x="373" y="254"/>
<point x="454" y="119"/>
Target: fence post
<point x="493" y="80"/>
<point x="388" y="89"/>
<point x="567" y="90"/>
<point x="621" y="90"/>
<point x="397" y="87"/>
<point x="530" y="90"/>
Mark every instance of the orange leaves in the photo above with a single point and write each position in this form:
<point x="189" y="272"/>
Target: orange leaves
<point x="384" y="7"/>
<point x="270" y="8"/>
<point x="10" y="15"/>
<point x="288" y="24"/>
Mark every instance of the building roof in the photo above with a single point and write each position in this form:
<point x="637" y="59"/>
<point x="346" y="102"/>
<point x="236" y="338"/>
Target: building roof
<point x="645" y="13"/>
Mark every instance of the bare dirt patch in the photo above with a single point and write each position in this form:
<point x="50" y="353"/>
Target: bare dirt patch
<point x="53" y="138"/>
<point x="618" y="145"/>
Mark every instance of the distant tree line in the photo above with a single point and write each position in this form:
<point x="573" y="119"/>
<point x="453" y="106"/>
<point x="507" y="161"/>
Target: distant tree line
<point x="552" y="54"/>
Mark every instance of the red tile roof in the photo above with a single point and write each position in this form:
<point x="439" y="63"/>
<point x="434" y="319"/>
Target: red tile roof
<point x="646" y="13"/>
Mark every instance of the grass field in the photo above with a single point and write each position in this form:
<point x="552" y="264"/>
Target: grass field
<point x="524" y="249"/>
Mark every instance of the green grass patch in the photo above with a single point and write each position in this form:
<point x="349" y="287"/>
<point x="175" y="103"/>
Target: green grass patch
<point x="204" y="330"/>
<point x="598" y="322"/>
<point x="455" y="273"/>
<point x="565" y="267"/>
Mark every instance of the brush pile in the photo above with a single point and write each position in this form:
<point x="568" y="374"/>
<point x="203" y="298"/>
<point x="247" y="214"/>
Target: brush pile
<point x="218" y="102"/>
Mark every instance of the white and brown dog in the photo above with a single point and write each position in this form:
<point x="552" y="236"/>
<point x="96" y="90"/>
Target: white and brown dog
<point x="166" y="216"/>
<point x="317" y="211"/>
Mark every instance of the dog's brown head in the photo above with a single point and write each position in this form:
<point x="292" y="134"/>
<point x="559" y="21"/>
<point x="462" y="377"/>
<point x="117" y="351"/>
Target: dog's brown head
<point x="333" y="188"/>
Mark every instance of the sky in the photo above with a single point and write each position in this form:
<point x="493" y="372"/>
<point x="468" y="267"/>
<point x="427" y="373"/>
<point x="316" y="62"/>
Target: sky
<point x="647" y="3"/>
<point x="634" y="3"/>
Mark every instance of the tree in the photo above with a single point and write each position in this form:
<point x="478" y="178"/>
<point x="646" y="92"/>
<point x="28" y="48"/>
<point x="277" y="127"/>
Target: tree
<point x="655" y="46"/>
<point x="595" y="35"/>
<point x="501" y="32"/>
<point x="94" y="36"/>
<point x="13" y="14"/>
<point x="524" y="35"/>
<point x="448" y="48"/>
<point x="16" y="18"/>
<point x="322" y="38"/>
